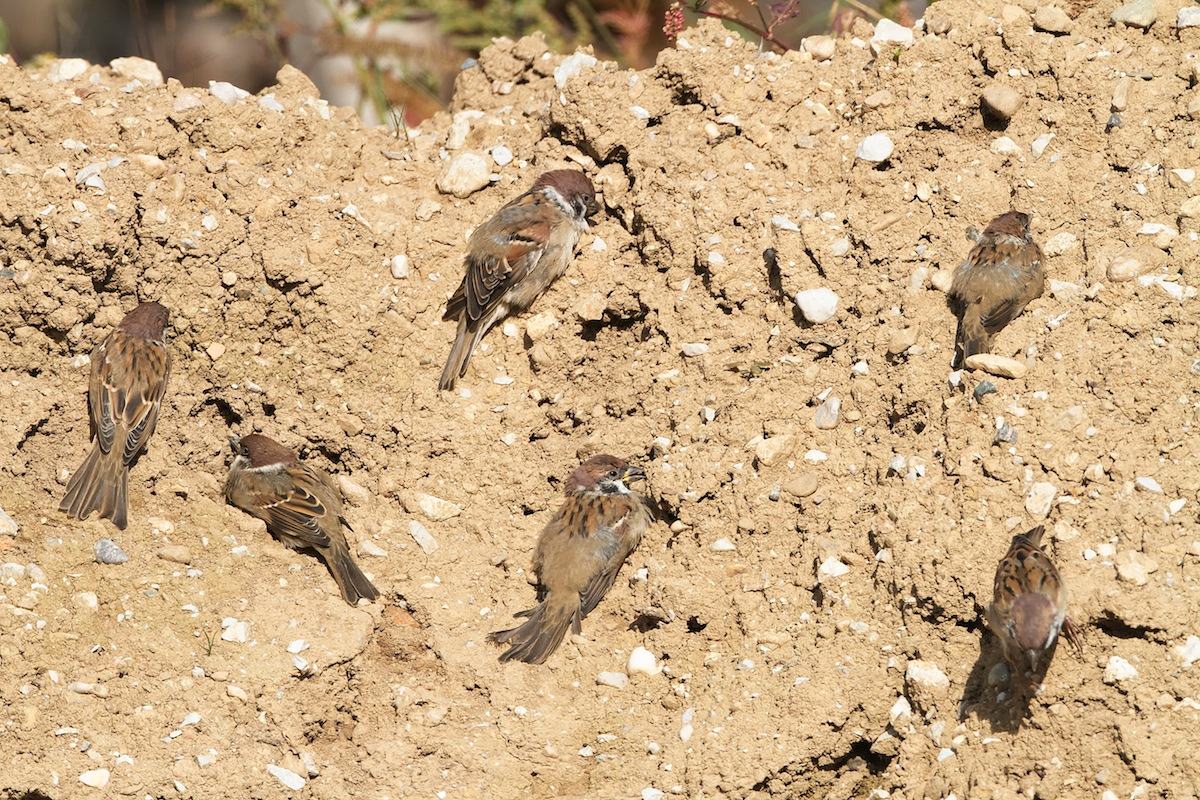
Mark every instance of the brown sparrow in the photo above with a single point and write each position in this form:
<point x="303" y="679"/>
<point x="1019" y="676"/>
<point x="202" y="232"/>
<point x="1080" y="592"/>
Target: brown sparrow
<point x="1001" y="276"/>
<point x="129" y="377"/>
<point x="578" y="555"/>
<point x="514" y="257"/>
<point x="299" y="504"/>
<point x="1029" y="604"/>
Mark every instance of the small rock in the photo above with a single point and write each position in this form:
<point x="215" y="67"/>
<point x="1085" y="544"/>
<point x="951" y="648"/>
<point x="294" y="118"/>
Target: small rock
<point x="1039" y="144"/>
<point x="465" y="174"/>
<point x="1060" y="243"/>
<point x="722" y="545"/>
<point x="817" y="305"/>
<point x="540" y="324"/>
<point x="422" y="537"/>
<point x="1188" y="17"/>
<point x="1145" y="483"/>
<point x="1005" y="146"/>
<point x="8" y="525"/>
<point x="1189" y="651"/>
<point x="1040" y="499"/>
<point x="285" y="776"/>
<point x="827" y="414"/>
<point x="185" y="101"/>
<point x="1125" y="268"/>
<point x="1001" y="366"/>
<point x="400" y="266"/>
<point x="822" y="48"/>
<point x="237" y="692"/>
<point x="426" y="209"/>
<point x="803" y="485"/>
<point x="436" y="508"/>
<point x="875" y="148"/>
<point x="1133" y="567"/>
<point x="902" y="339"/>
<point x="889" y="34"/>
<point x="693" y="349"/>
<point x="109" y="552"/>
<point x="96" y="778"/>
<point x="591" y="308"/>
<point x="270" y="102"/>
<point x="235" y="630"/>
<point x="998" y="675"/>
<point x="502" y="155"/>
<point x="1118" y="669"/>
<point x="354" y="492"/>
<point x="925" y="682"/>
<point x="226" y="92"/>
<point x="1181" y="176"/>
<point x="215" y="350"/>
<point x="900" y="714"/>
<point x="176" y="553"/>
<point x="1137" y="14"/>
<point x="617" y="680"/>
<point x="942" y="280"/>
<point x="769" y="451"/>
<point x="137" y="69"/>
<point x="571" y="66"/>
<point x="642" y="662"/>
<point x="86" y="601"/>
<point x="1003" y="102"/>
<point x="1052" y="19"/>
<point x="1120" y="98"/>
<point x="650" y="793"/>
<point x="832" y="567"/>
<point x="368" y="548"/>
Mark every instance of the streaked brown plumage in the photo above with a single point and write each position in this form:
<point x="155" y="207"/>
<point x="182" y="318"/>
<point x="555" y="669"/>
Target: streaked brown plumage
<point x="300" y="506"/>
<point x="1029" y="604"/>
<point x="578" y="555"/>
<point x="129" y="376"/>
<point x="514" y="257"/>
<point x="1002" y="275"/>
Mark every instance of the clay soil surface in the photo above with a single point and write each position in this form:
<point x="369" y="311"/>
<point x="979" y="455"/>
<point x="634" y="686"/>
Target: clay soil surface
<point x="797" y="572"/>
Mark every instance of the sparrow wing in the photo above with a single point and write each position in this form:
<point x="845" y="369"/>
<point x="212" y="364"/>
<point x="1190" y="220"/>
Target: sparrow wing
<point x="1026" y="569"/>
<point x="611" y="539"/>
<point x="1012" y="257"/>
<point x="293" y="507"/>
<point x="501" y="253"/>
<point x="129" y="378"/>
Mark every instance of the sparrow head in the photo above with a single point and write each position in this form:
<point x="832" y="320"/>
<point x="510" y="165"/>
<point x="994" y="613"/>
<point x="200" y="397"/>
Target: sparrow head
<point x="1034" y="624"/>
<point x="259" y="452"/>
<point x="147" y="321"/>
<point x="603" y="474"/>
<point x="1010" y="223"/>
<point x="574" y="188"/>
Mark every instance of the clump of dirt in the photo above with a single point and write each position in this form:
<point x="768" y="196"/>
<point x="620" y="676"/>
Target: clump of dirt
<point x="807" y="586"/>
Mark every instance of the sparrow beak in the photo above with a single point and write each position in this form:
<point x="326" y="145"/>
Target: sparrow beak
<point x="633" y="473"/>
<point x="593" y="207"/>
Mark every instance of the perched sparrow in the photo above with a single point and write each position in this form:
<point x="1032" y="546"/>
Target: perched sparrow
<point x="514" y="257"/>
<point x="1001" y="276"/>
<point x="299" y="504"/>
<point x="1029" y="604"/>
<point x="578" y="555"/>
<point x="129" y="377"/>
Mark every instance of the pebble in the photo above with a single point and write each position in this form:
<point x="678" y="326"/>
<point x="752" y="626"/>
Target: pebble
<point x="1145" y="483"/>
<point x="1005" y="146"/>
<point x="769" y="451"/>
<point x="540" y="324"/>
<point x="875" y="148"/>
<point x="888" y="33"/>
<point x="1001" y="366"/>
<point x="270" y="102"/>
<point x="186" y="101"/>
<point x="422" y="537"/>
<point x="902" y="339"/>
<point x="87" y="601"/>
<point x="1181" y="176"/>
<point x="226" y="92"/>
<point x="1060" y="243"/>
<point x="1137" y="14"/>
<point x="8" y="525"/>
<point x="369" y="548"/>
<point x="1052" y="19"/>
<point x="900" y="714"/>
<point x="109" y="552"/>
<point x="1002" y="101"/>
<point x="96" y="778"/>
<point x="1188" y="17"/>
<point x="237" y="692"/>
<point x="235" y="630"/>
<point x="1040" y="499"/>
<point x="285" y="776"/>
<point x="832" y="567"/>
<point x="502" y="155"/>
<point x="1125" y="268"/>
<point x="642" y="662"/>
<point x="465" y="174"/>
<point x="998" y="675"/>
<point x="66" y="69"/>
<point x="693" y="349"/>
<point x="822" y="48"/>
<point x="617" y="680"/>
<point x="827" y="414"/>
<point x="426" y="209"/>
<point x="686" y="729"/>
<point x="650" y="793"/>
<point x="1189" y="651"/>
<point x="176" y="553"/>
<point x="1133" y="567"/>
<point x="1039" y="145"/>
<point x="571" y="66"/>
<point x="215" y="350"/>
<point x="436" y="508"/>
<point x="817" y="305"/>
<point x="1118" y="669"/>
<point x="137" y="69"/>
<point x="400" y="266"/>
<point x="722" y="545"/>
<point x="926" y="678"/>
<point x="942" y="279"/>
<point x="592" y="308"/>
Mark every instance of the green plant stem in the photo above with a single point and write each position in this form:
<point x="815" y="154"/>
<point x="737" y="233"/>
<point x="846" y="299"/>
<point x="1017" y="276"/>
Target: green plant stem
<point x="778" y="45"/>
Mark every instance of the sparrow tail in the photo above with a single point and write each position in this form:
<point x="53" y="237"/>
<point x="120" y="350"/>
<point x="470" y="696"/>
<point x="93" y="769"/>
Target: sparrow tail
<point x="970" y="339"/>
<point x="353" y="584"/>
<point x="534" y="641"/>
<point x="465" y="342"/>
<point x="98" y="485"/>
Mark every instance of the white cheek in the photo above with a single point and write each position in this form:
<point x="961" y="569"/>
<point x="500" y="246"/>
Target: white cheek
<point x="621" y="487"/>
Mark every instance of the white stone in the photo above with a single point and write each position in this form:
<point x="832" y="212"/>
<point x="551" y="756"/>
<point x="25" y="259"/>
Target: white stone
<point x="540" y="324"/>
<point x="1125" y="268"/>
<point x="8" y="525"/>
<point x="109" y="552"/>
<point x="1040" y="498"/>
<point x="1059" y="243"/>
<point x="400" y="266"/>
<point x="828" y="412"/>
<point x="875" y="148"/>
<point x="642" y="662"/>
<point x="815" y="456"/>
<point x="1176" y="505"/>
<point x="890" y="33"/>
<point x="436" y="508"/>
<point x="270" y="102"/>
<point x="1136" y="14"/>
<point x="1040" y="144"/>
<point x="193" y="718"/>
<point x="422" y="537"/>
<point x="285" y="776"/>
<point x="722" y="545"/>
<point x="693" y="349"/>
<point x="1188" y="17"/>
<point x="235" y="631"/>
<point x="369" y="548"/>
<point x="87" y="601"/>
<point x="1118" y="669"/>
<point x="832" y="567"/>
<point x="67" y="69"/>
<point x="650" y="793"/>
<point x="226" y="92"/>
<point x="780" y="222"/>
<point x="571" y="66"/>
<point x="502" y="155"/>
<point x="137" y="69"/>
<point x="1189" y="651"/>
<point x="822" y="48"/>
<point x="1005" y="146"/>
<point x="901" y="712"/>
<point x="465" y="174"/>
<point x="297" y="646"/>
<point x="1001" y="366"/>
<point x="96" y="778"/>
<point x="927" y="676"/>
<point x="686" y="729"/>
<point x="1147" y="484"/>
<point x="769" y="451"/>
<point x="1184" y="175"/>
<point x="817" y="305"/>
<point x="617" y="680"/>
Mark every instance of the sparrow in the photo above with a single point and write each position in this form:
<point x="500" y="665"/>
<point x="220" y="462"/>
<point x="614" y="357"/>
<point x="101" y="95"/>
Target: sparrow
<point x="129" y="377"/>
<point x="300" y="505"/>
<point x="514" y="257"/>
<point x="1029" y="604"/>
<point x="1002" y="275"/>
<point x="578" y="555"/>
